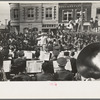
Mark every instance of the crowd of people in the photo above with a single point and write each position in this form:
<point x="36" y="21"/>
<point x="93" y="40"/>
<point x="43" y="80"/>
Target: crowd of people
<point x="78" y="25"/>
<point x="62" y="45"/>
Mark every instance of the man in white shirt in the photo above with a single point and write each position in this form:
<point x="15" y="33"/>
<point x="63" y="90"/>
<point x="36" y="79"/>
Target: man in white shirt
<point x="42" y="41"/>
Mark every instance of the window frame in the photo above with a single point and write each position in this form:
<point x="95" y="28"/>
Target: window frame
<point x="48" y="13"/>
<point x="16" y="13"/>
<point x="67" y="12"/>
<point x="97" y="11"/>
<point x="31" y="13"/>
<point x="84" y="13"/>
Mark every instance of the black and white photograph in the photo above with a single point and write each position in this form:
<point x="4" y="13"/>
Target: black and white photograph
<point x="49" y="49"/>
<point x="50" y="41"/>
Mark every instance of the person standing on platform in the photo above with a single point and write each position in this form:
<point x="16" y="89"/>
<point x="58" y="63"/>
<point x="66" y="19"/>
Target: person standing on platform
<point x="91" y="24"/>
<point x="96" y="24"/>
<point x="77" y="23"/>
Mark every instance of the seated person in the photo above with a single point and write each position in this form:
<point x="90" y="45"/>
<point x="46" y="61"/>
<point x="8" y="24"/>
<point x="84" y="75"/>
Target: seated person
<point x="21" y="76"/>
<point x="19" y="69"/>
<point x="18" y="63"/>
<point x="47" y="74"/>
<point x="62" y="74"/>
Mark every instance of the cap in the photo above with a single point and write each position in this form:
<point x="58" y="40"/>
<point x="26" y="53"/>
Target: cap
<point x="61" y="61"/>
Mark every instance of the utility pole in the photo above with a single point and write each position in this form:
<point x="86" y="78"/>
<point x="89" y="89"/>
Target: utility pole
<point x="81" y="17"/>
<point x="6" y="22"/>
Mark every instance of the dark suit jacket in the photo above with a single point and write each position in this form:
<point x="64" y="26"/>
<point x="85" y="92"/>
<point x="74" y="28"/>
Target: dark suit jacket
<point x="18" y="65"/>
<point x="73" y="65"/>
<point x="63" y="75"/>
<point x="44" y="77"/>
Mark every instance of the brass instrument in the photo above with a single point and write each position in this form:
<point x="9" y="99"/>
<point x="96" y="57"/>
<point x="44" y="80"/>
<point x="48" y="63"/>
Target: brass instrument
<point x="88" y="61"/>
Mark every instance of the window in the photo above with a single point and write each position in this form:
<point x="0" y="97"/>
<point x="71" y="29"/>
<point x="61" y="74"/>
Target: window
<point x="30" y="13"/>
<point x="67" y="16"/>
<point x="98" y="10"/>
<point x="15" y="13"/>
<point x="78" y="14"/>
<point x="48" y="13"/>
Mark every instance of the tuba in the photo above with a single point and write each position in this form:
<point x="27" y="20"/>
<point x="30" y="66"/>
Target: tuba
<point x="88" y="61"/>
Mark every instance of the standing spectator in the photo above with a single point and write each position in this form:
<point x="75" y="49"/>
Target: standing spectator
<point x="96" y="24"/>
<point x="70" y="26"/>
<point x="77" y="22"/>
<point x="91" y="24"/>
<point x="5" y="52"/>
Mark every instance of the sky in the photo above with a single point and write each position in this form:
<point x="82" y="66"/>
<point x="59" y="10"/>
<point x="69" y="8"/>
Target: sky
<point x="4" y="12"/>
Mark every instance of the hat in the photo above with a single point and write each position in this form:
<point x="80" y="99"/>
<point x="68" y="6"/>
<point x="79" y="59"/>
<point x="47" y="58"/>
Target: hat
<point x="61" y="61"/>
<point x="21" y="53"/>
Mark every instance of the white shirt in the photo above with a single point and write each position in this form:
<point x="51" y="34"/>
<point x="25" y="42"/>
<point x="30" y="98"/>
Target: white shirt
<point x="42" y="40"/>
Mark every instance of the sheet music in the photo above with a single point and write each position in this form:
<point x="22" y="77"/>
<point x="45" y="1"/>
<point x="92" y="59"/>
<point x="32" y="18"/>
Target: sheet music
<point x="33" y="66"/>
<point x="55" y="65"/>
<point x="28" y="54"/>
<point x="68" y="65"/>
<point x="33" y="52"/>
<point x="7" y="65"/>
<point x="44" y="56"/>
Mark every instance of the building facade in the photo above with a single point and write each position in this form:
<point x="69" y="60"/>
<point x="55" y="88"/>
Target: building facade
<point x="72" y="11"/>
<point x="95" y="11"/>
<point x="47" y="16"/>
<point x="40" y="16"/>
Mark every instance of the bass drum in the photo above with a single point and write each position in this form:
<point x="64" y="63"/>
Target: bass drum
<point x="88" y="61"/>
